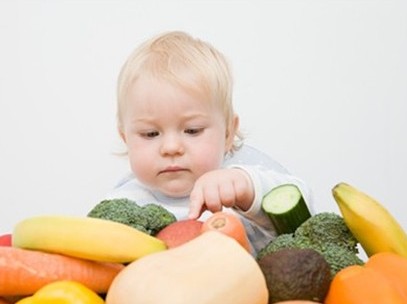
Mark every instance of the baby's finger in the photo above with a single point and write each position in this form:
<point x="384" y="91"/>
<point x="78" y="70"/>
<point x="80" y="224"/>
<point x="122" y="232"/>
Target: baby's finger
<point x="196" y="205"/>
<point x="227" y="195"/>
<point x="211" y="198"/>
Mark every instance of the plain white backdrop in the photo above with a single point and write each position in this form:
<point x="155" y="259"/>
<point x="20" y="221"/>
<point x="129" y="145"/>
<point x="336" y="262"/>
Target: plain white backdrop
<point x="321" y="86"/>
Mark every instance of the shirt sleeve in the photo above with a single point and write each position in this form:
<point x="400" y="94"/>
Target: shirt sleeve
<point x="265" y="174"/>
<point x="264" y="180"/>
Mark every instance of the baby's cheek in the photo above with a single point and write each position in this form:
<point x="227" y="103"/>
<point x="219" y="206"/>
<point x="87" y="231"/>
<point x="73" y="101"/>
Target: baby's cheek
<point x="142" y="167"/>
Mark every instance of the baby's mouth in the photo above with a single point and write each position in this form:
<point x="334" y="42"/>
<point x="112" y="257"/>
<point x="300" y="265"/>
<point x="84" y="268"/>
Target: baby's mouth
<point x="172" y="169"/>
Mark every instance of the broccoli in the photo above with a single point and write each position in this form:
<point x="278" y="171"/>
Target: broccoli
<point x="327" y="227"/>
<point x="280" y="242"/>
<point x="326" y="233"/>
<point x="338" y="257"/>
<point x="158" y="217"/>
<point x="149" y="219"/>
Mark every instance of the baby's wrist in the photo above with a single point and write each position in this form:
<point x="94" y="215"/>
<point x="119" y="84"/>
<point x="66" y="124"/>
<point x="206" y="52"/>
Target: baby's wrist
<point x="246" y="202"/>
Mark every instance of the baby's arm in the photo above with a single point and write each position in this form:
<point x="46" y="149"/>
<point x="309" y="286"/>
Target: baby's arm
<point x="242" y="188"/>
<point x="231" y="187"/>
<point x="264" y="180"/>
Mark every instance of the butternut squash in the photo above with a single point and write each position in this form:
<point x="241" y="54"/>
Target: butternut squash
<point x="211" y="268"/>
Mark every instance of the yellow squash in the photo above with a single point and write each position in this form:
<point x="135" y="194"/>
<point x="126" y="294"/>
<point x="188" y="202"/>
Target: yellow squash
<point x="370" y="222"/>
<point x="211" y="268"/>
<point x="85" y="237"/>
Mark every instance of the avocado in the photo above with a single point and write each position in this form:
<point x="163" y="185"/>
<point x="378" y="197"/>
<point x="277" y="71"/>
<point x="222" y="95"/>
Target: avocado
<point x="296" y="274"/>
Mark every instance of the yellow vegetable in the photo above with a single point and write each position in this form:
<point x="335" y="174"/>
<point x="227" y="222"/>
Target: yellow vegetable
<point x="209" y="269"/>
<point x="63" y="292"/>
<point x="370" y="222"/>
<point x="85" y="237"/>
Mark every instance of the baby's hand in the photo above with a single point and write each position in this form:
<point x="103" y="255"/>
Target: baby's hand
<point x="218" y="188"/>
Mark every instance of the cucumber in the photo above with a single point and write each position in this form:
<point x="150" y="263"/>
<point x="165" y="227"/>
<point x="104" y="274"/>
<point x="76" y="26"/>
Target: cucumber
<point x="286" y="208"/>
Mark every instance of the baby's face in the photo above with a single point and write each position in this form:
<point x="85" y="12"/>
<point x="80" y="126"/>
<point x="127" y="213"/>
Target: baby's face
<point x="172" y="135"/>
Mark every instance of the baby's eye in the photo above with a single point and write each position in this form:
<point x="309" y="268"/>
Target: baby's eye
<point x="193" y="131"/>
<point x="150" y="134"/>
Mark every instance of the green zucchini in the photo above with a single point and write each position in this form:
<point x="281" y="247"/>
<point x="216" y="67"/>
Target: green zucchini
<point x="286" y="208"/>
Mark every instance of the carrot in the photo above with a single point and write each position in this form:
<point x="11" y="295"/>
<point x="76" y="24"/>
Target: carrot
<point x="228" y="224"/>
<point x="23" y="272"/>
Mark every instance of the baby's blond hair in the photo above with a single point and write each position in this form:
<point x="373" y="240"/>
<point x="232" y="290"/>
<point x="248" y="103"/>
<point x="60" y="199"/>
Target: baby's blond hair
<point x="182" y="60"/>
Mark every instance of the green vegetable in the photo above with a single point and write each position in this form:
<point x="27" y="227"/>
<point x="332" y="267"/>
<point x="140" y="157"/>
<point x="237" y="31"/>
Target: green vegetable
<point x="286" y="208"/>
<point x="326" y="233"/>
<point x="327" y="227"/>
<point x="149" y="218"/>
<point x="339" y="257"/>
<point x="157" y="217"/>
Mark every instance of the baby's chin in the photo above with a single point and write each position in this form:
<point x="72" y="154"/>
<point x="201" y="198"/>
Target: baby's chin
<point x="175" y="192"/>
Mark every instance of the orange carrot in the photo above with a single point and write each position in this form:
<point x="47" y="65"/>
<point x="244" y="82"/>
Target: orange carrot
<point x="228" y="224"/>
<point x="23" y="272"/>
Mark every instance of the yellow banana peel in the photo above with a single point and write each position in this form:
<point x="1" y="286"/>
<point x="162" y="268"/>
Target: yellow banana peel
<point x="85" y="237"/>
<point x="370" y="222"/>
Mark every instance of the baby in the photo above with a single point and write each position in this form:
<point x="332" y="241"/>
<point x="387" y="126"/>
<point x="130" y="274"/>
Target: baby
<point x="176" y="118"/>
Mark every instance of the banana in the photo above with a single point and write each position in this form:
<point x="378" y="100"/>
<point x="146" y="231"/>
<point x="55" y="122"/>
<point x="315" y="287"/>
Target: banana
<point x="85" y="237"/>
<point x="370" y="222"/>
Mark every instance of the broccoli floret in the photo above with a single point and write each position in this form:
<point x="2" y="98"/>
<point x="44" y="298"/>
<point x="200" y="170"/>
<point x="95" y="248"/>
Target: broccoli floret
<point x="121" y="210"/>
<point x="326" y="233"/>
<point x="280" y="242"/>
<point x="338" y="257"/>
<point x="327" y="227"/>
<point x="149" y="218"/>
<point x="158" y="217"/>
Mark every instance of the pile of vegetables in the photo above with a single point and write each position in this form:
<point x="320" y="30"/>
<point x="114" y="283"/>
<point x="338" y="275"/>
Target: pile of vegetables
<point x="382" y="278"/>
<point x="326" y="233"/>
<point x="124" y="253"/>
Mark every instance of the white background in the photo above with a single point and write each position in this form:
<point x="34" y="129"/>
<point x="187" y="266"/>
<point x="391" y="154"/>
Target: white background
<point x="320" y="85"/>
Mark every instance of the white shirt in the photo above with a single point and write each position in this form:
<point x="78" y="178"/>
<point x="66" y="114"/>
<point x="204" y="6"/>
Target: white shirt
<point x="265" y="174"/>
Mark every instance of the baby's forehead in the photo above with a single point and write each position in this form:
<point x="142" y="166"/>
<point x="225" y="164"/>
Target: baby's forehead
<point x="190" y="86"/>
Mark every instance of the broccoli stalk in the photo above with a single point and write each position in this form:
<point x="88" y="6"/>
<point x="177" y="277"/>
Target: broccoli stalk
<point x="150" y="218"/>
<point x="326" y="233"/>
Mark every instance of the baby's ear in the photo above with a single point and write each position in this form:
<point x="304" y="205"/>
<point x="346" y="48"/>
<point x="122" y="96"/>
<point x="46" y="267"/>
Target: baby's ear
<point x="121" y="133"/>
<point x="231" y="132"/>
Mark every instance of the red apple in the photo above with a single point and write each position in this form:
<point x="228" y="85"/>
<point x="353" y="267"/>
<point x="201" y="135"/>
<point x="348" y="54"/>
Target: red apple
<point x="180" y="232"/>
<point x="5" y="239"/>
